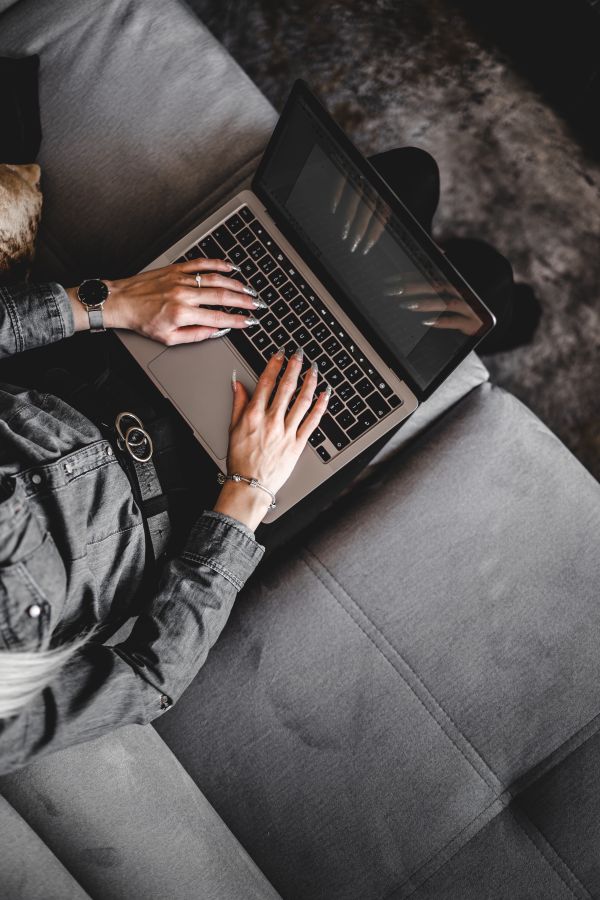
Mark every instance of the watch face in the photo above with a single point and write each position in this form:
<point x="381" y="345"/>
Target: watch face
<point x="92" y="292"/>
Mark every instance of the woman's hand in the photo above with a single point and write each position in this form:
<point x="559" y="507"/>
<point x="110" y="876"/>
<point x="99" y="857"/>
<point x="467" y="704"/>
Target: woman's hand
<point x="265" y="438"/>
<point x="169" y="306"/>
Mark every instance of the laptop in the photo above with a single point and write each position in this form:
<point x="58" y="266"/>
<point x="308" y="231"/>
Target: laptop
<point x="348" y="274"/>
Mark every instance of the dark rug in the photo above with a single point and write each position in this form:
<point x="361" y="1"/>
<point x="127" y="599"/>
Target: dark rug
<point x="417" y="73"/>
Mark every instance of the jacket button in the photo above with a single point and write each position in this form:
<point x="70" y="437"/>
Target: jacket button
<point x="34" y="611"/>
<point x="37" y="479"/>
<point x="165" y="703"/>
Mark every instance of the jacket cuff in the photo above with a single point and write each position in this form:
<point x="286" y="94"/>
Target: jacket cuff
<point x="225" y="545"/>
<point x="39" y="314"/>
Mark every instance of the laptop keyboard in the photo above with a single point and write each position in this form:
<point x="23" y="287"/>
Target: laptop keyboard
<point x="296" y="317"/>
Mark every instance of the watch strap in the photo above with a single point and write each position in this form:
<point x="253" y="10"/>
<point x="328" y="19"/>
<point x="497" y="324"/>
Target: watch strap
<point x="96" y="318"/>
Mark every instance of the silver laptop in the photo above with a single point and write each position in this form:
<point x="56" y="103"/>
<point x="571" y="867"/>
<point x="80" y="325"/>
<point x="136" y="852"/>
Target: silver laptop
<point x="348" y="274"/>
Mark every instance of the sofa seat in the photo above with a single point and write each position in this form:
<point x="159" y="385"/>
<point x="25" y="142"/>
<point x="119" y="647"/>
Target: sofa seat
<point x="409" y="705"/>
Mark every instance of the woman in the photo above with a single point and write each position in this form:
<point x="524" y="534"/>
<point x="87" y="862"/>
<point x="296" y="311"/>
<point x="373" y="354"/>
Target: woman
<point x="74" y="558"/>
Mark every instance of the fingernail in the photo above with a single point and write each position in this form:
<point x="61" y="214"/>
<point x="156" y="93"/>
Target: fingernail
<point x="327" y="391"/>
<point x="368" y="247"/>
<point x="428" y="321"/>
<point x="217" y="334"/>
<point x="299" y="353"/>
<point x="251" y="321"/>
<point x="409" y="305"/>
<point x="260" y="304"/>
<point x="234" y="380"/>
<point x="234" y="268"/>
<point x="280" y="353"/>
<point x="346" y="232"/>
<point x="314" y="369"/>
<point x="355" y="245"/>
<point x="251" y="291"/>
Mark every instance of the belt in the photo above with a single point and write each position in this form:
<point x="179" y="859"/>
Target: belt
<point x="135" y="448"/>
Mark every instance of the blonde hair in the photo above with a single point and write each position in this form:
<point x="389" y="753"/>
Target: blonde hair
<point x="26" y="673"/>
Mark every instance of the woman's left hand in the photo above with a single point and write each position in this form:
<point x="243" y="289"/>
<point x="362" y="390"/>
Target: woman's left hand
<point x="169" y="306"/>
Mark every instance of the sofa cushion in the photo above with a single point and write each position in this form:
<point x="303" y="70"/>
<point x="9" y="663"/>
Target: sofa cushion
<point x="148" y="123"/>
<point x="378" y="699"/>
<point x="125" y="820"/>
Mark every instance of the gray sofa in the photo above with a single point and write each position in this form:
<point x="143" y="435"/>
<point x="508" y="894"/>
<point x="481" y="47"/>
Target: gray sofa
<point x="407" y="704"/>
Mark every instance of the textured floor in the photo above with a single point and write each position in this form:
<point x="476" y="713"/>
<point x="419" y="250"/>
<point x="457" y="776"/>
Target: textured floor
<point x="414" y="72"/>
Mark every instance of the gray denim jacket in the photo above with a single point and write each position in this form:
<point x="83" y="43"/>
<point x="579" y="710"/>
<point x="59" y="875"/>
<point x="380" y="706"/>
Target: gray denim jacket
<point x="72" y="554"/>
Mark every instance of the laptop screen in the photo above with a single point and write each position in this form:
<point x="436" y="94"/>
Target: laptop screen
<point x="369" y="249"/>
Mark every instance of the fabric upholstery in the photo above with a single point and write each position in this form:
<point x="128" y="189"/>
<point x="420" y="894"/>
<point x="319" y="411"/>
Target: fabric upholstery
<point x="147" y="124"/>
<point x="430" y="655"/>
<point x="125" y="819"/>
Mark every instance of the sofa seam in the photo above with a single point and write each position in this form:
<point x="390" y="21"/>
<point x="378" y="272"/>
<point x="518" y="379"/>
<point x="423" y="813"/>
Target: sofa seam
<point x="547" y="860"/>
<point x="493" y="787"/>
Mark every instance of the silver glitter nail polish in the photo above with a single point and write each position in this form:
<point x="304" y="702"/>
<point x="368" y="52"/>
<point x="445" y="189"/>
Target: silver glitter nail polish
<point x="251" y="291"/>
<point x="299" y="353"/>
<point x="260" y="304"/>
<point x="218" y="334"/>
<point x="251" y="321"/>
<point x="234" y="268"/>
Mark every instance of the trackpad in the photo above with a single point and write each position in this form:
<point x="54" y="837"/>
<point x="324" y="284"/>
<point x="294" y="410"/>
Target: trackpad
<point x="197" y="378"/>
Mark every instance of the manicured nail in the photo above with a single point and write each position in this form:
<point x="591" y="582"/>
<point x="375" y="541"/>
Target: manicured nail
<point x="314" y="369"/>
<point x="368" y="248"/>
<point x="409" y="305"/>
<point x="299" y="354"/>
<point x="395" y="292"/>
<point x="429" y="321"/>
<point x="260" y="304"/>
<point x="234" y="268"/>
<point x="346" y="231"/>
<point x="280" y="353"/>
<point x="327" y="390"/>
<point x="251" y="321"/>
<point x="234" y="380"/>
<point x="251" y="291"/>
<point x="355" y="245"/>
<point x="220" y="333"/>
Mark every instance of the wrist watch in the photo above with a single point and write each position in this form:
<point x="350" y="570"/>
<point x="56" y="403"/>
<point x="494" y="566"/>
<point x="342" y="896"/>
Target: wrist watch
<point x="93" y="293"/>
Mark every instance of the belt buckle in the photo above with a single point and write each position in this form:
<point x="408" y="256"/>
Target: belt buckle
<point x="136" y="439"/>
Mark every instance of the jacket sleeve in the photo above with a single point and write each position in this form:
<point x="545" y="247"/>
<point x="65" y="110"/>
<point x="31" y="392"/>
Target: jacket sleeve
<point x="103" y="687"/>
<point x="32" y="315"/>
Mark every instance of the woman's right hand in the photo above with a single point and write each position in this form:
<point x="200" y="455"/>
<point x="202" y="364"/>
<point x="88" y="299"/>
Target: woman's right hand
<point x="265" y="439"/>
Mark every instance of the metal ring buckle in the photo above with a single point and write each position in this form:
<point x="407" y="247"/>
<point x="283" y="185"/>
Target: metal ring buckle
<point x="135" y="437"/>
<point x="132" y="444"/>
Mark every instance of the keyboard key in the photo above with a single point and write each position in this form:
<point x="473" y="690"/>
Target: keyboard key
<point x="345" y="391"/>
<point x="280" y="309"/>
<point x="267" y="264"/>
<point x="211" y="248"/>
<point x="334" y="376"/>
<point x="258" y="229"/>
<point x="246" y="349"/>
<point x="383" y="387"/>
<point x="316" y="438"/>
<point x="234" y="223"/>
<point x="305" y="364"/>
<point x="331" y="345"/>
<point x="353" y="373"/>
<point x="324" y="363"/>
<point x="312" y="350"/>
<point x="302" y="335"/>
<point x="333" y="432"/>
<point x="342" y="360"/>
<point x="246" y="214"/>
<point x="258" y="281"/>
<point x="245" y="237"/>
<point x="309" y="318"/>
<point x="364" y="387"/>
<point x="288" y="291"/>
<point x="256" y="250"/>
<point x="248" y="268"/>
<point x="269" y="351"/>
<point x="356" y="404"/>
<point x="224" y="237"/>
<point x="291" y="322"/>
<point x="321" y="332"/>
<point x="290" y="348"/>
<point x="194" y="253"/>
<point x="395" y="401"/>
<point x="269" y="294"/>
<point x="280" y="336"/>
<point x="260" y="340"/>
<point x="345" y="419"/>
<point x="269" y="322"/>
<point x="277" y="277"/>
<point x="324" y="454"/>
<point x="237" y="254"/>
<point x="181" y="259"/>
<point x="335" y="405"/>
<point x="378" y="405"/>
<point x="365" y="421"/>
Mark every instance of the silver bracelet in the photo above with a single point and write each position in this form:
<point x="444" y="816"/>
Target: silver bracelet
<point x="251" y="481"/>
